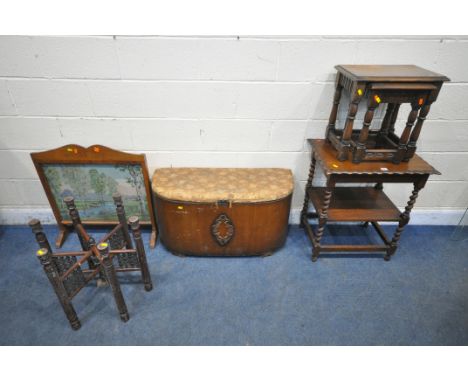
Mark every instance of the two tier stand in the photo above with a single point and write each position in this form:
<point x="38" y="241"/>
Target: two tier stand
<point x="375" y="157"/>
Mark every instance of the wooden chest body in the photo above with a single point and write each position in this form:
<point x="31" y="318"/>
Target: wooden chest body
<point x="222" y="229"/>
<point x="222" y="212"/>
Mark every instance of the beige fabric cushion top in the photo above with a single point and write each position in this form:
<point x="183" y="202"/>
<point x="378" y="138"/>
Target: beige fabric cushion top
<point x="213" y="184"/>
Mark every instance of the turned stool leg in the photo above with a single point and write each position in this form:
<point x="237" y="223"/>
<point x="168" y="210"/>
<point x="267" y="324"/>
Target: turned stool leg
<point x="417" y="130"/>
<point x="322" y="221"/>
<point x="41" y="237"/>
<point x="334" y="110"/>
<point x="348" y="129"/>
<point x="111" y="276"/>
<point x="120" y="210"/>
<point x="94" y="261"/>
<point x="305" y="206"/>
<point x="52" y="273"/>
<point x="360" y="152"/>
<point x="385" y="128"/>
<point x="391" y="126"/>
<point x="76" y="220"/>
<point x="140" y="248"/>
<point x="404" y="220"/>
<point x="402" y="145"/>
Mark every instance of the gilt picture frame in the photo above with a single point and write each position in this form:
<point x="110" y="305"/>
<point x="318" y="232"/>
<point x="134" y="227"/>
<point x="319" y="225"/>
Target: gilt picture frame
<point x="91" y="175"/>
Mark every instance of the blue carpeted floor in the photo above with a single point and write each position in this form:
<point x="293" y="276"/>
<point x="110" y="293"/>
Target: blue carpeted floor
<point x="420" y="297"/>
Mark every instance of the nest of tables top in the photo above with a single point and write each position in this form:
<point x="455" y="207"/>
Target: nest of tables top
<point x="379" y="85"/>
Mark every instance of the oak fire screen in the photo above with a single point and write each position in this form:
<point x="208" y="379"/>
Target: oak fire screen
<point x="92" y="175"/>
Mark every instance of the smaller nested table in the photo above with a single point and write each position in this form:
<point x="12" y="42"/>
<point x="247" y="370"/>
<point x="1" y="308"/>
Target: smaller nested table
<point x="387" y="84"/>
<point x="358" y="204"/>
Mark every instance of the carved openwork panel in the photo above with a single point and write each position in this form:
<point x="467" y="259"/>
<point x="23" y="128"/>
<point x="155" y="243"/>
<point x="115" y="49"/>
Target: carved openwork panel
<point x="74" y="281"/>
<point x="128" y="260"/>
<point x="222" y="229"/>
<point x="63" y="263"/>
<point x="117" y="240"/>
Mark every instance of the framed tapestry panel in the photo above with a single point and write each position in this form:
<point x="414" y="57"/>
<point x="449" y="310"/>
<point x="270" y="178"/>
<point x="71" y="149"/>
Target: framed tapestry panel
<point x="92" y="175"/>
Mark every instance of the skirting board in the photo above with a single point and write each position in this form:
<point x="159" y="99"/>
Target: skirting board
<point x="19" y="216"/>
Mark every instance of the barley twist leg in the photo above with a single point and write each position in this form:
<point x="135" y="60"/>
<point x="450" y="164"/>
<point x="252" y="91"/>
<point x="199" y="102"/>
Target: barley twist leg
<point x="323" y="216"/>
<point x="305" y="207"/>
<point x="404" y="220"/>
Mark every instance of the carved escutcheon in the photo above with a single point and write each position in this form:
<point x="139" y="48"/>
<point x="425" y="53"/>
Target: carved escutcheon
<point x="222" y="229"/>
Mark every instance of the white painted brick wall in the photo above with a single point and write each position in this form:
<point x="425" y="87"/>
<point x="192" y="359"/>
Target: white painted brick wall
<point x="211" y="101"/>
<point x="59" y="57"/>
<point x="6" y="103"/>
<point x="197" y="59"/>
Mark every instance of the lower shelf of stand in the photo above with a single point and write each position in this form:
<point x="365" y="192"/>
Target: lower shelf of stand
<point x="355" y="204"/>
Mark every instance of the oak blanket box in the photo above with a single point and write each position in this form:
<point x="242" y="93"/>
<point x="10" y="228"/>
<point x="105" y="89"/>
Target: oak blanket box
<point x="222" y="211"/>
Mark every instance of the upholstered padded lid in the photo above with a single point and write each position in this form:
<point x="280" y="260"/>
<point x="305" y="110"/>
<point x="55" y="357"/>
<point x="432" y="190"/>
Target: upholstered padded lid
<point x="214" y="184"/>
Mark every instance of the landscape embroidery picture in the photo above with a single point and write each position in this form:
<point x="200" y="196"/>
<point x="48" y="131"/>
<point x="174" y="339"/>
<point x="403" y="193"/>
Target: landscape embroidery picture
<point x="92" y="186"/>
<point x="92" y="175"/>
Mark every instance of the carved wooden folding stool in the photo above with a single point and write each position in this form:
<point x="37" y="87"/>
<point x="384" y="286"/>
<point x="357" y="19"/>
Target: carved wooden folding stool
<point x="66" y="270"/>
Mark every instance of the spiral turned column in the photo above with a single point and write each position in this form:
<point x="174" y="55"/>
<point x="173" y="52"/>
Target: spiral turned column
<point x="305" y="206"/>
<point x="323" y="216"/>
<point x="404" y="220"/>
